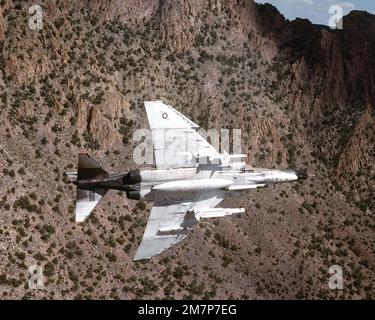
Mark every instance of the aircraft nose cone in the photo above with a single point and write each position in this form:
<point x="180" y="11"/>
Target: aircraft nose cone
<point x="301" y="174"/>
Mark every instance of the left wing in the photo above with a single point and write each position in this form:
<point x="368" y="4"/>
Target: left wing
<point x="170" y="222"/>
<point x="176" y="142"/>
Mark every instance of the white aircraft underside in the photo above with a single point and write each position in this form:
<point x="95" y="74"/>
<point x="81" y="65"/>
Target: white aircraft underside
<point x="190" y="180"/>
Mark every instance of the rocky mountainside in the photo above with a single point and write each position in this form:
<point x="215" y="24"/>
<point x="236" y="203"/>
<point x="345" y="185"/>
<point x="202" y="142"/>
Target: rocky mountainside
<point x="302" y="94"/>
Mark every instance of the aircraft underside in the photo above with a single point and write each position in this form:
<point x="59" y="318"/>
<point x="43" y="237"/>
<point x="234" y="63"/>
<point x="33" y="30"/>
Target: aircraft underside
<point x="182" y="193"/>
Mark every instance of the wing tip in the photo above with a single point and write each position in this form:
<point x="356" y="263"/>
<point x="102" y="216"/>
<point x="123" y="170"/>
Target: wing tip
<point x="138" y="257"/>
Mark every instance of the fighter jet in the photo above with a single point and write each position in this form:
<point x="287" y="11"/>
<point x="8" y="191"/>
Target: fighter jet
<point x="190" y="179"/>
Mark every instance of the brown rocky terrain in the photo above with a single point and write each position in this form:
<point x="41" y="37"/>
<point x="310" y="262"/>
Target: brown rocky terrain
<point x="302" y="94"/>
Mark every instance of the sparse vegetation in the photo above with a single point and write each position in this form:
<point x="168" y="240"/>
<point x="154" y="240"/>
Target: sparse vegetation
<point x="86" y="95"/>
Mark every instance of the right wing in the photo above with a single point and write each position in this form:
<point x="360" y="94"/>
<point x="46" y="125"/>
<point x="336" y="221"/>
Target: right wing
<point x="176" y="142"/>
<point x="156" y="238"/>
<point x="169" y="222"/>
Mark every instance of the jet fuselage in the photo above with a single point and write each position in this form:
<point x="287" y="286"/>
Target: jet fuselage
<point x="151" y="184"/>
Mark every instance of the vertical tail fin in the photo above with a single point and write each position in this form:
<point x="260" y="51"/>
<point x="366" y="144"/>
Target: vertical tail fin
<point x="87" y="199"/>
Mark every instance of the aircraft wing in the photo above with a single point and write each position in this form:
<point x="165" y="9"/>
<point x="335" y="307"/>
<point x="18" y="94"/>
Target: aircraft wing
<point x="176" y="142"/>
<point x="170" y="221"/>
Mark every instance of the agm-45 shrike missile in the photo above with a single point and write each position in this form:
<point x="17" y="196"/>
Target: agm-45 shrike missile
<point x="183" y="191"/>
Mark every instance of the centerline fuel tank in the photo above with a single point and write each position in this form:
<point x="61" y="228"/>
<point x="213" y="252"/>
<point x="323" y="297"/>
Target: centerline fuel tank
<point x="193" y="185"/>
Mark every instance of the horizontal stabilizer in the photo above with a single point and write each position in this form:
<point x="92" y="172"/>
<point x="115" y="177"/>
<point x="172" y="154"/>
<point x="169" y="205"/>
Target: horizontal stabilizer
<point x="87" y="201"/>
<point x="88" y="168"/>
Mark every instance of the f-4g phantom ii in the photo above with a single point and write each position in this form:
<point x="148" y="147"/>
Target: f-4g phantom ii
<point x="191" y="178"/>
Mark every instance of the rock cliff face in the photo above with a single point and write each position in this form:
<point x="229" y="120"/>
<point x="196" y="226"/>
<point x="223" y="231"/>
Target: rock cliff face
<point x="134" y="12"/>
<point x="358" y="152"/>
<point x="334" y="76"/>
<point x="303" y="96"/>
<point x="2" y="24"/>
